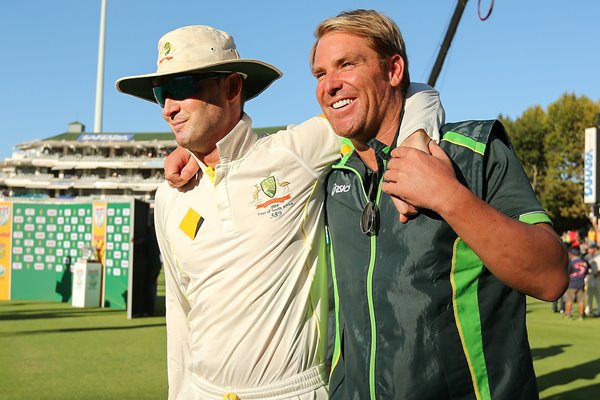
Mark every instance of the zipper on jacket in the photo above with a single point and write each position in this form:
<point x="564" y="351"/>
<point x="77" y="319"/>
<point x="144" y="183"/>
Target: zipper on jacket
<point x="369" y="284"/>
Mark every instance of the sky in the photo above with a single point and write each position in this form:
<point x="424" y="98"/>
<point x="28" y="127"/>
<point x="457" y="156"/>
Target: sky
<point x="526" y="53"/>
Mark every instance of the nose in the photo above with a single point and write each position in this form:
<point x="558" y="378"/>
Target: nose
<point x="171" y="108"/>
<point x="331" y="83"/>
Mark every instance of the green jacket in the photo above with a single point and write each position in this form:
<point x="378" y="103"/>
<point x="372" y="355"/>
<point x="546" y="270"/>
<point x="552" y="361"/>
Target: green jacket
<point x="418" y="316"/>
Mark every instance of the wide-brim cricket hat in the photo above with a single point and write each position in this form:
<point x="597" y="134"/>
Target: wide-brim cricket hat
<point x="198" y="49"/>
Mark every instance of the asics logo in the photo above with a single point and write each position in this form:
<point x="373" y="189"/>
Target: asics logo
<point x="339" y="189"/>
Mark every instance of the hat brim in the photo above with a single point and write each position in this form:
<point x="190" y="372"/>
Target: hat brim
<point x="260" y="76"/>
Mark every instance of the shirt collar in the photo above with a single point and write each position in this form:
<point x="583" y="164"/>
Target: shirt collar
<point x="235" y="144"/>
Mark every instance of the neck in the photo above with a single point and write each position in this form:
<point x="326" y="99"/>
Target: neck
<point x="368" y="158"/>
<point x="391" y="121"/>
<point x="211" y="159"/>
<point x="386" y="134"/>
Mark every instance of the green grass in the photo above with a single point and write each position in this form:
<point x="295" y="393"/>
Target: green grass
<point x="53" y="351"/>
<point x="566" y="353"/>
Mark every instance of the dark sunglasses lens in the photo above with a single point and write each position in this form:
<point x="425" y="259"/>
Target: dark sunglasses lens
<point x="178" y="88"/>
<point x="369" y="222"/>
<point x="159" y="95"/>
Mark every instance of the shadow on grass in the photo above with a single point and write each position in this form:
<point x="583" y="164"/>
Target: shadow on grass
<point x="540" y="354"/>
<point x="584" y="393"/>
<point x="159" y="307"/>
<point x="71" y="330"/>
<point x="589" y="370"/>
<point x="6" y="303"/>
<point x="50" y="313"/>
<point x="12" y="311"/>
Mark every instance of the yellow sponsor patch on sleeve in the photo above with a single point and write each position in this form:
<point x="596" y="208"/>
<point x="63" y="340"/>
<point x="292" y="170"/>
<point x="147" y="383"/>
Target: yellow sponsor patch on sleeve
<point x="191" y="222"/>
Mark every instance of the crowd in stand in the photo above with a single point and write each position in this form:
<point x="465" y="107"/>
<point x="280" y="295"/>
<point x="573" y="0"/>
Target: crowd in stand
<point x="584" y="282"/>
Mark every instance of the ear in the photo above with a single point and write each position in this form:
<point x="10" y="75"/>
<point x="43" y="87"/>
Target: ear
<point x="396" y="70"/>
<point x="234" y="86"/>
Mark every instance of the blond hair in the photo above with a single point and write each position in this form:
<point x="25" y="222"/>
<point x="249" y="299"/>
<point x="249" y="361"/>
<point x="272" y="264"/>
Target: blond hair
<point x="382" y="34"/>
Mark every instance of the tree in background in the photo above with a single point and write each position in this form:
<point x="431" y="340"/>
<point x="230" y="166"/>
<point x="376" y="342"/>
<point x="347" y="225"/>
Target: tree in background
<point x="550" y="144"/>
<point x="527" y="135"/>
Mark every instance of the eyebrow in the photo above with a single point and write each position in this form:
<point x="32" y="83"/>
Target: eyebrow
<point x="348" y="57"/>
<point x="316" y="71"/>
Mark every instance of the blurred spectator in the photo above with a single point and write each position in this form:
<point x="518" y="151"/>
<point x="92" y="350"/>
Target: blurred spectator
<point x="592" y="284"/>
<point x="578" y="269"/>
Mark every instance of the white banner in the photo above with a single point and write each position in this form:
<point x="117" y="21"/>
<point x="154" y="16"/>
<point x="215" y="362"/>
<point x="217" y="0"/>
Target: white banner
<point x="590" y="176"/>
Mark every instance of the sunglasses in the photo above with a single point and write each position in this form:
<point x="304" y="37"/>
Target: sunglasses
<point x="369" y="220"/>
<point x="182" y="87"/>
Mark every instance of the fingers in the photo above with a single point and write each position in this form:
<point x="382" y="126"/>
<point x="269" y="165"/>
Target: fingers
<point x="398" y="151"/>
<point x="436" y="151"/>
<point x="174" y="163"/>
<point x="406" y="210"/>
<point x="407" y="178"/>
<point x="392" y="180"/>
<point x="189" y="170"/>
<point x="417" y="179"/>
<point x="403" y="219"/>
<point x="187" y="178"/>
<point x="175" y="181"/>
<point x="180" y="168"/>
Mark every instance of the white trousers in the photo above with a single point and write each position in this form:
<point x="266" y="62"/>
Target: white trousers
<point x="309" y="385"/>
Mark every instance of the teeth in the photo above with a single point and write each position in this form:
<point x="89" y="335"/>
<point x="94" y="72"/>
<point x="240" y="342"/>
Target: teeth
<point x="341" y="103"/>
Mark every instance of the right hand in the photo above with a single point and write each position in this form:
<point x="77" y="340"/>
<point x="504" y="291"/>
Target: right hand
<point x="180" y="169"/>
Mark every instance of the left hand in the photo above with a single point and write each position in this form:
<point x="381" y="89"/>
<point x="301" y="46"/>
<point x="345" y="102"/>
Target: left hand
<point x="420" y="179"/>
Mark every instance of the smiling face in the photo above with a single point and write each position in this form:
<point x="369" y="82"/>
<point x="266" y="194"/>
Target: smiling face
<point x="200" y="121"/>
<point x="359" y="93"/>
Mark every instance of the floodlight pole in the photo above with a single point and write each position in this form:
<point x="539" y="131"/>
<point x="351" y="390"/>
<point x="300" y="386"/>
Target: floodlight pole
<point x="100" y="73"/>
<point x="437" y="67"/>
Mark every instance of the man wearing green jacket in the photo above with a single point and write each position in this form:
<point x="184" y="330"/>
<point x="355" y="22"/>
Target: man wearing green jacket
<point x="430" y="306"/>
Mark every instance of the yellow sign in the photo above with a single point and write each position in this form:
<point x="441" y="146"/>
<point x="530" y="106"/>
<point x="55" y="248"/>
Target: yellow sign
<point x="5" y="229"/>
<point x="99" y="229"/>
